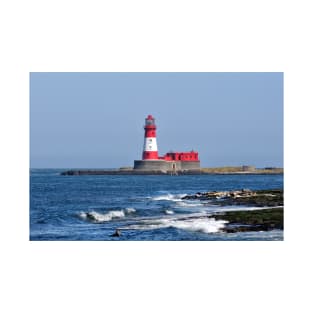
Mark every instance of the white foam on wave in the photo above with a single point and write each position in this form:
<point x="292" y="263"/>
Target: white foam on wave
<point x="197" y="224"/>
<point x="130" y="210"/>
<point x="169" y="197"/>
<point x="190" y="204"/>
<point x="83" y="215"/>
<point x="169" y="212"/>
<point x="106" y="217"/>
<point x="207" y="225"/>
<point x="240" y="208"/>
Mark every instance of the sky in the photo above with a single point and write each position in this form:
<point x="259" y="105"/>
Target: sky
<point x="95" y="120"/>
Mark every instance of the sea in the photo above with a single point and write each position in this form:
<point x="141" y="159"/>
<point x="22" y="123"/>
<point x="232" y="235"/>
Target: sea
<point x="141" y="208"/>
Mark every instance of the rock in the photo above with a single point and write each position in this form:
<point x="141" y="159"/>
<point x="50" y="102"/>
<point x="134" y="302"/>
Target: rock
<point x="117" y="233"/>
<point x="256" y="220"/>
<point x="242" y="197"/>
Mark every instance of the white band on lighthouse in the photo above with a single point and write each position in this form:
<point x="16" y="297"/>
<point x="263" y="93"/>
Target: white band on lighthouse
<point x="150" y="144"/>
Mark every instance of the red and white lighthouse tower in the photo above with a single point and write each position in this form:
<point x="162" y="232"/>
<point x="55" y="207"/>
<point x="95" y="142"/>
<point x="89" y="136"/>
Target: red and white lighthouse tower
<point x="150" y="148"/>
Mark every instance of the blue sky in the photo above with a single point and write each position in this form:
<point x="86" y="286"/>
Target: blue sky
<point x="96" y="120"/>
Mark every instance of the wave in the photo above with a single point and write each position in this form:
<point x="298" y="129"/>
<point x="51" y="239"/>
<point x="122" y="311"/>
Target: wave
<point x="190" y="204"/>
<point x="240" y="208"/>
<point x="202" y="224"/>
<point x="106" y="217"/>
<point x="208" y="225"/>
<point x="169" y="212"/>
<point x="130" y="210"/>
<point x="169" y="197"/>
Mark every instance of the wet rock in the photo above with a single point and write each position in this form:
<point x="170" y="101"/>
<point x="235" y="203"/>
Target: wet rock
<point x="241" y="197"/>
<point x="117" y="233"/>
<point x="256" y="220"/>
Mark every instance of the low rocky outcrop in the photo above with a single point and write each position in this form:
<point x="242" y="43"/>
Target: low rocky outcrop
<point x="264" y="219"/>
<point x="273" y="197"/>
<point x="256" y="220"/>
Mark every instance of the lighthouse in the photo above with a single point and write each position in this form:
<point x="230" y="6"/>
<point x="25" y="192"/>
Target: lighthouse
<point x="150" y="148"/>
<point x="170" y="163"/>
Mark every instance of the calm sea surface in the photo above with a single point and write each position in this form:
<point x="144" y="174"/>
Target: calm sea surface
<point x="142" y="207"/>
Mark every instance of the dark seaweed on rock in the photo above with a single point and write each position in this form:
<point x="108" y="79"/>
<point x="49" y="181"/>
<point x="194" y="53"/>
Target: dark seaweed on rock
<point x="256" y="220"/>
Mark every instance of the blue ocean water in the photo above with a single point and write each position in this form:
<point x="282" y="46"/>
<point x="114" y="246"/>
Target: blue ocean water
<point x="142" y="207"/>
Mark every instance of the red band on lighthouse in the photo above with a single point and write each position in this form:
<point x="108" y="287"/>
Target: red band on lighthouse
<point x="150" y="148"/>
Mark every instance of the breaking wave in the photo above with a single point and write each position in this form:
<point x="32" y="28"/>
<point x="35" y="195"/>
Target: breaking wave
<point x="190" y="204"/>
<point x="130" y="210"/>
<point x="240" y="208"/>
<point x="208" y="225"/>
<point x="106" y="217"/>
<point x="197" y="224"/>
<point x="169" y="197"/>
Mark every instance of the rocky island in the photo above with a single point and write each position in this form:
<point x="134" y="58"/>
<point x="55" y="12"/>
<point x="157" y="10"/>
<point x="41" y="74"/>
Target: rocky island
<point x="243" y="170"/>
